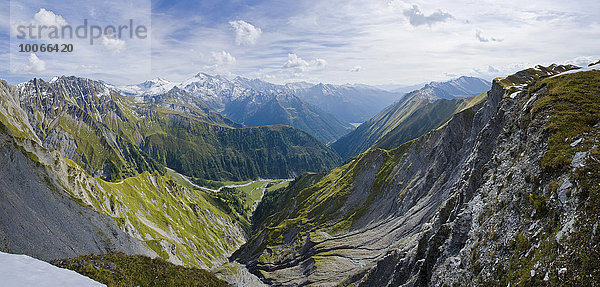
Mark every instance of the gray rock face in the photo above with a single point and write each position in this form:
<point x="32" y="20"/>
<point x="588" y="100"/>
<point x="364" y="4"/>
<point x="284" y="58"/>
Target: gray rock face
<point x="69" y="110"/>
<point x="462" y="205"/>
<point x="496" y="211"/>
<point x="389" y="230"/>
<point x="38" y="219"/>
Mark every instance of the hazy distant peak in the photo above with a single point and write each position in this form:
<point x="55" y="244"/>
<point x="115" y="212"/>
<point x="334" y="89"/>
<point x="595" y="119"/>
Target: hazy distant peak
<point x="464" y="86"/>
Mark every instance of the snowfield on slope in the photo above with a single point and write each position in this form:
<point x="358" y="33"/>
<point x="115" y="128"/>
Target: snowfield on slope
<point x="22" y="270"/>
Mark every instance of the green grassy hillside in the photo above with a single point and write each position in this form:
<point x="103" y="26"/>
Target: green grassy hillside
<point x="288" y="110"/>
<point x="206" y="151"/>
<point x="115" y="137"/>
<point x="118" y="269"/>
<point x="426" y="118"/>
<point x="408" y="119"/>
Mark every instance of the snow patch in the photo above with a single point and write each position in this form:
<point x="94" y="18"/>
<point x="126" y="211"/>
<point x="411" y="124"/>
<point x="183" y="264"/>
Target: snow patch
<point x="22" y="270"/>
<point x="584" y="69"/>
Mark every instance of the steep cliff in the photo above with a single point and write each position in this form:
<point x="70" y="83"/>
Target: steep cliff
<point x="505" y="192"/>
<point x="411" y="117"/>
<point x="38" y="217"/>
<point x="52" y="208"/>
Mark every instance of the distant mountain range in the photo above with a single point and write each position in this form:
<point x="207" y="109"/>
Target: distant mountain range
<point x="252" y="103"/>
<point x="351" y="103"/>
<point x="117" y="136"/>
<point x="414" y="115"/>
<point x="288" y="110"/>
<point x="323" y="110"/>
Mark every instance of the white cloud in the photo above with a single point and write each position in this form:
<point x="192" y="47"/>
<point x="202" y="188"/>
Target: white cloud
<point x="299" y="65"/>
<point x="582" y="61"/>
<point x="245" y="33"/>
<point x="42" y="18"/>
<point x="113" y="45"/>
<point x="492" y="70"/>
<point x="417" y="18"/>
<point x="296" y="63"/>
<point x="223" y="58"/>
<point x="320" y="63"/>
<point x="35" y="64"/>
<point x="479" y="35"/>
<point x="355" y="69"/>
<point x="48" y="18"/>
<point x="222" y="62"/>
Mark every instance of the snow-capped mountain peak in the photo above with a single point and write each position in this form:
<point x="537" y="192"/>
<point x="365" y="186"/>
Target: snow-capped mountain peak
<point x="155" y="86"/>
<point x="461" y="87"/>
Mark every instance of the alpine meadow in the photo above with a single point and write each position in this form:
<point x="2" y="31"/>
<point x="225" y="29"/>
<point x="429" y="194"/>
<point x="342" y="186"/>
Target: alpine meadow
<point x="299" y="143"/>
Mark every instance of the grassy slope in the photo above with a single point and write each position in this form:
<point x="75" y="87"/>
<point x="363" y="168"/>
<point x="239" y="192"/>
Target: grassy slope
<point x="116" y="137"/>
<point x="406" y="120"/>
<point x="206" y="151"/>
<point x="278" y="197"/>
<point x="199" y="227"/>
<point x="425" y="119"/>
<point x="12" y="116"/>
<point x="118" y="269"/>
<point x="313" y="204"/>
<point x="165" y="215"/>
<point x="105" y="128"/>
<point x="241" y="201"/>
<point x="369" y="132"/>
<point x="573" y="101"/>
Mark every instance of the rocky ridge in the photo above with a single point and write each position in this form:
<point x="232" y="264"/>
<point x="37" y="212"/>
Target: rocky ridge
<point x="115" y="136"/>
<point x="485" y="199"/>
<point x="52" y="206"/>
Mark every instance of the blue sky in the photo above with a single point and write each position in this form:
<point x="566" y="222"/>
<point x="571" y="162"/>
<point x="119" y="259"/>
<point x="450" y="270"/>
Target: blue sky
<point x="371" y="42"/>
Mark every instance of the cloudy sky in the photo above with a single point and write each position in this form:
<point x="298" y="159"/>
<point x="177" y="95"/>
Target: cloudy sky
<point x="372" y="42"/>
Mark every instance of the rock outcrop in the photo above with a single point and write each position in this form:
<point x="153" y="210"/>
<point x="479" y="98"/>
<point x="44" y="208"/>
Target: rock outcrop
<point x="39" y="218"/>
<point x="503" y="193"/>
